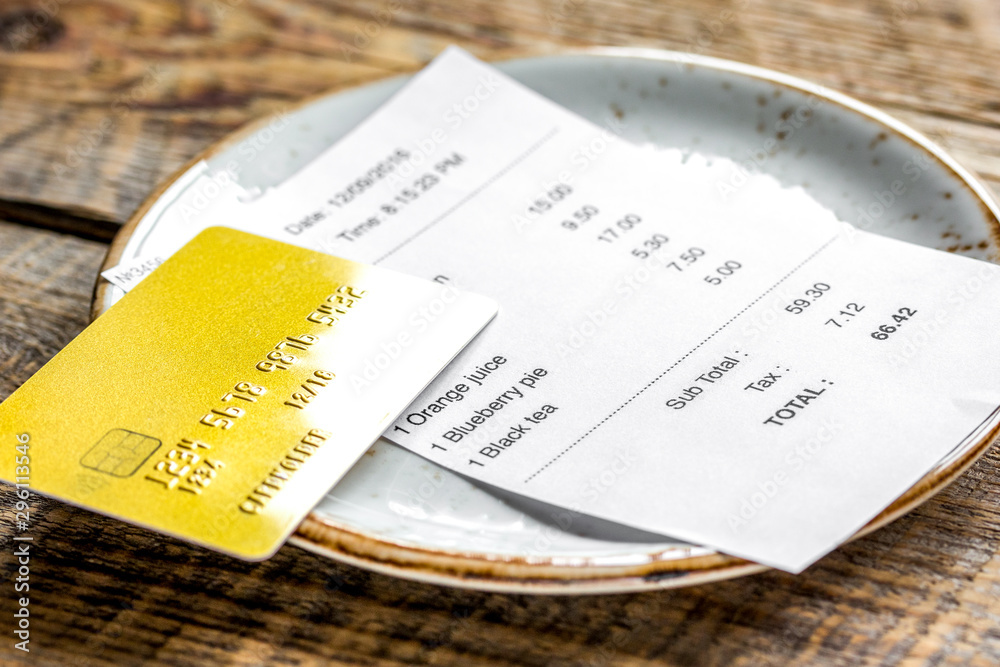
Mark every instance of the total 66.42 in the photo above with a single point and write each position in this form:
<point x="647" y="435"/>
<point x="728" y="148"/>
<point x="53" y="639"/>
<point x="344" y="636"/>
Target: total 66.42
<point x="899" y="318"/>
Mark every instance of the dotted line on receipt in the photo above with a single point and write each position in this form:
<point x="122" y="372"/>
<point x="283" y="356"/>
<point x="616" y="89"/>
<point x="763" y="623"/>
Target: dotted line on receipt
<point x="464" y="200"/>
<point x="688" y="354"/>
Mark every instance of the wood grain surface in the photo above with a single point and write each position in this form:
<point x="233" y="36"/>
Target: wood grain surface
<point x="100" y="100"/>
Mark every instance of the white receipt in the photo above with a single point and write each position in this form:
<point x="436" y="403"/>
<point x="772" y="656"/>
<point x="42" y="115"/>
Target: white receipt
<point x="735" y="369"/>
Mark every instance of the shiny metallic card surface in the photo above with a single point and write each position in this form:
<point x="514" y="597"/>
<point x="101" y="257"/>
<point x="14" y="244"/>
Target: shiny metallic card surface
<point x="231" y="389"/>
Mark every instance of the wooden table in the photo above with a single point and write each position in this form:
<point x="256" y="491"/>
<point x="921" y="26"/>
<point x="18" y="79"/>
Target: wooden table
<point x="100" y="100"/>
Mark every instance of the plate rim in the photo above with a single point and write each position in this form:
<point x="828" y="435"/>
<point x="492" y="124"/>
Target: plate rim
<point x="514" y="574"/>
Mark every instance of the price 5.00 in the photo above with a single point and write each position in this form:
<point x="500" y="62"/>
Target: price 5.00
<point x="723" y="272"/>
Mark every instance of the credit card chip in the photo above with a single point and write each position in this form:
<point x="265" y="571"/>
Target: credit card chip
<point x="120" y="452"/>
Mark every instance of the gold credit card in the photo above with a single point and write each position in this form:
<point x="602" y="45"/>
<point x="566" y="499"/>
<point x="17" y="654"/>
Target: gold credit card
<point x="228" y="392"/>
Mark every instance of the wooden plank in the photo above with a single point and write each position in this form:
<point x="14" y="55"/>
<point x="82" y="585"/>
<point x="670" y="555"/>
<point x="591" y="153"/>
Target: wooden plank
<point x="127" y="92"/>
<point x="46" y="280"/>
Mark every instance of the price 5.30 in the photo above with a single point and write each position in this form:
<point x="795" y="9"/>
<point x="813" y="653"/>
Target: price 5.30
<point x="650" y="245"/>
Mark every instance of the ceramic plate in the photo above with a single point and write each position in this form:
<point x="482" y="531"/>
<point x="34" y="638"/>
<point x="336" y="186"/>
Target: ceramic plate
<point x="399" y="514"/>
